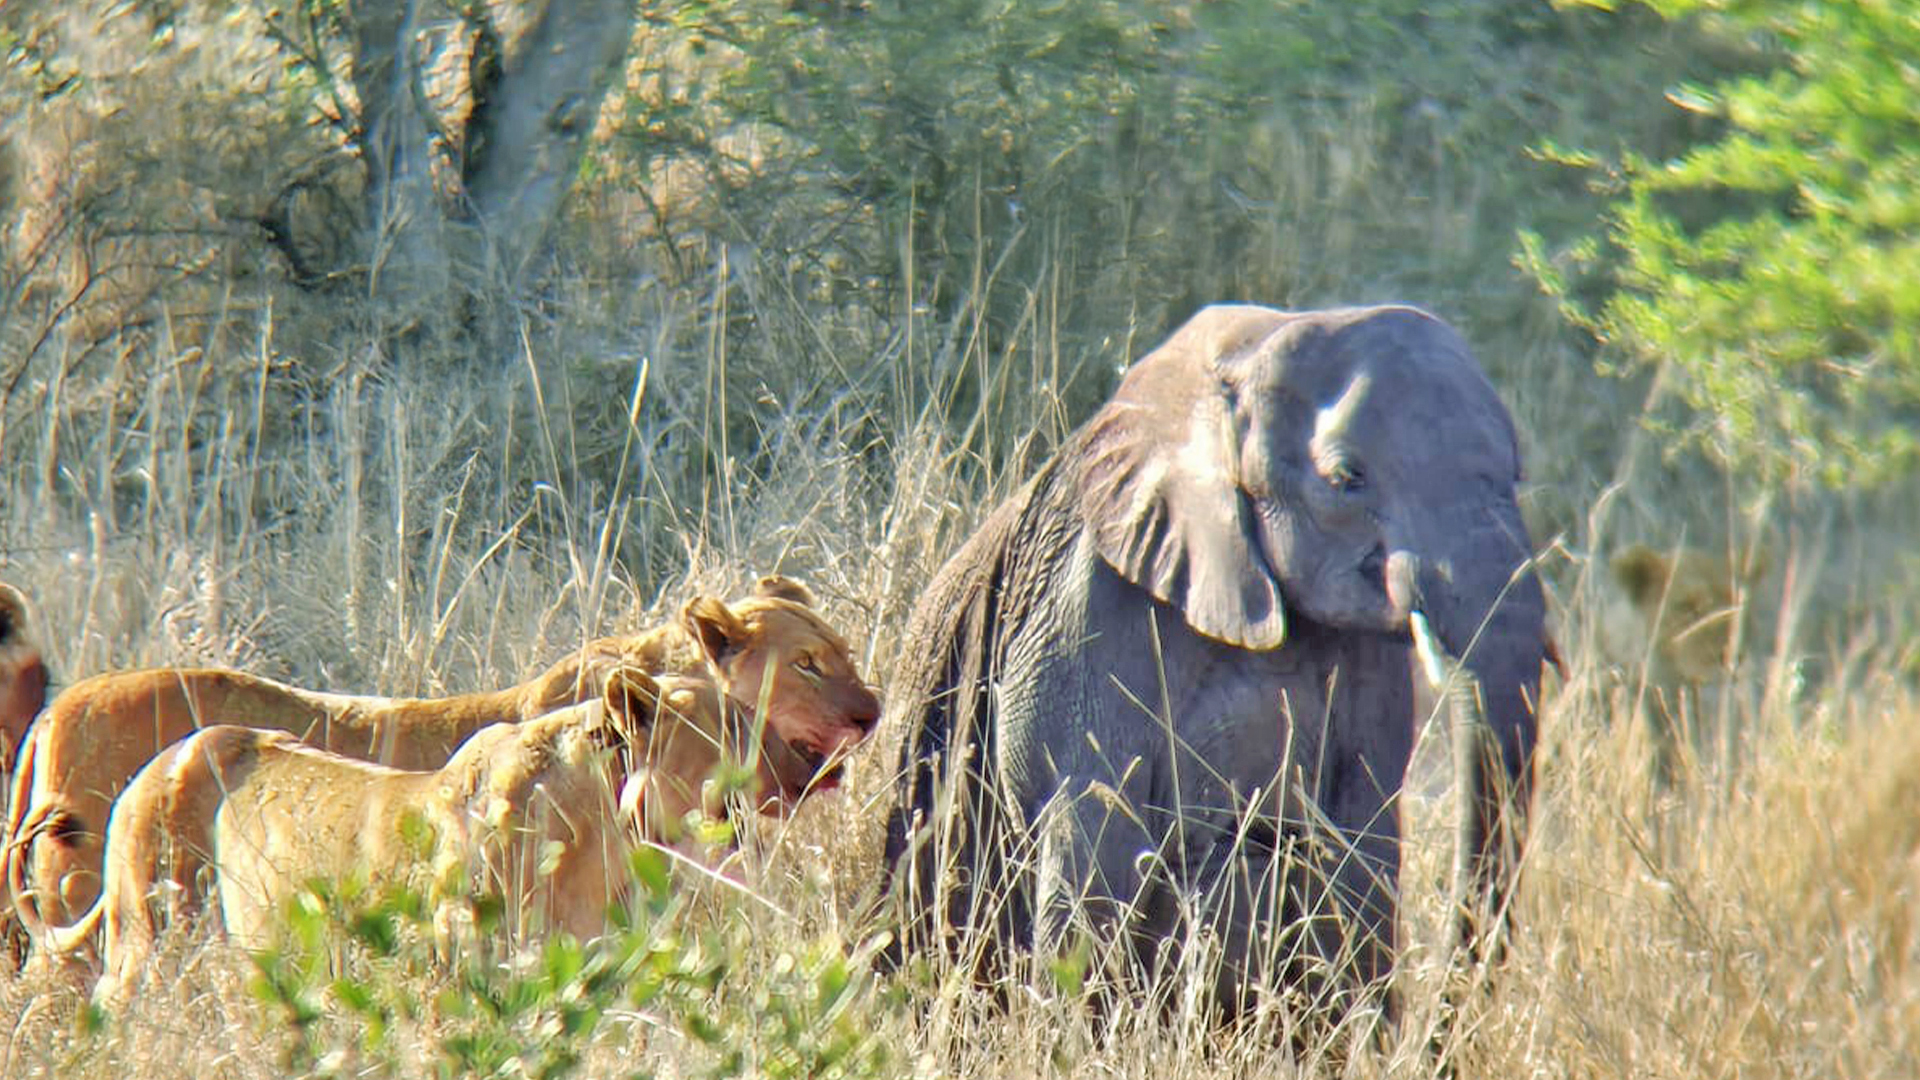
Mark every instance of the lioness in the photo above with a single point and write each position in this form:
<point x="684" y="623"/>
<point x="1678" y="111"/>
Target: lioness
<point x="525" y="811"/>
<point x="1686" y="612"/>
<point x="1675" y="637"/>
<point x="97" y="734"/>
<point x="773" y="642"/>
<point x="23" y="676"/>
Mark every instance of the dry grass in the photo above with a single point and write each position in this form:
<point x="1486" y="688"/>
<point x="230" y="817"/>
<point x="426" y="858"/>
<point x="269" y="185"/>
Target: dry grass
<point x="1756" y="919"/>
<point x="241" y="479"/>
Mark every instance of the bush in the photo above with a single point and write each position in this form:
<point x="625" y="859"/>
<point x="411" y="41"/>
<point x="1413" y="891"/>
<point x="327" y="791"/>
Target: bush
<point x="359" y="972"/>
<point x="1771" y="269"/>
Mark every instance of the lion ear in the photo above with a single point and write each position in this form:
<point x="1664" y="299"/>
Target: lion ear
<point x="782" y="587"/>
<point x="715" y="626"/>
<point x="13" y="615"/>
<point x="1643" y="573"/>
<point x="1160" y="489"/>
<point x="632" y="701"/>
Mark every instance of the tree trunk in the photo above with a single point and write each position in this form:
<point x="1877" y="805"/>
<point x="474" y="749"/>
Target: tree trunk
<point x="530" y="128"/>
<point x="408" y="256"/>
<point x="436" y="236"/>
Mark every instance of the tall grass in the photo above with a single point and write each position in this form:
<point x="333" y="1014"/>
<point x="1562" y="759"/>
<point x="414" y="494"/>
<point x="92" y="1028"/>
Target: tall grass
<point x="1754" y="918"/>
<point x="241" y="476"/>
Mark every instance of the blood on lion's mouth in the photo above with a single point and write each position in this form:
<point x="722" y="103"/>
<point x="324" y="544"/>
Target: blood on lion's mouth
<point x="797" y="770"/>
<point x="824" y="770"/>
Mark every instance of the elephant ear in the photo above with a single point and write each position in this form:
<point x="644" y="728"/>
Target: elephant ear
<point x="1160" y="486"/>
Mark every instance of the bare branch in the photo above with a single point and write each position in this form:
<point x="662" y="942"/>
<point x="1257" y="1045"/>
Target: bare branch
<point x="312" y="55"/>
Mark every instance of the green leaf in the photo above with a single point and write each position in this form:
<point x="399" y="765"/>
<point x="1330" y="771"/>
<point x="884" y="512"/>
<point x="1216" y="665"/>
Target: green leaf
<point x="651" y="868"/>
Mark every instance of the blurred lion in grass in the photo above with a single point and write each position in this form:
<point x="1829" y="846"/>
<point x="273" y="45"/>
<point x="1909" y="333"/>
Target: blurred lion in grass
<point x="1674" y="632"/>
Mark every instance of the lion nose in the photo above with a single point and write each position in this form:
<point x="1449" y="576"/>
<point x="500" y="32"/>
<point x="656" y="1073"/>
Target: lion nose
<point x="866" y="711"/>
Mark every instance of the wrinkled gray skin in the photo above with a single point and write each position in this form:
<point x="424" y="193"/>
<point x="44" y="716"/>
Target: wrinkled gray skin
<point x="1202" y="600"/>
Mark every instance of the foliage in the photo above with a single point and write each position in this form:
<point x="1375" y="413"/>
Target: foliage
<point x="1772" y="268"/>
<point x="937" y="189"/>
<point x="971" y="211"/>
<point x="361" y="962"/>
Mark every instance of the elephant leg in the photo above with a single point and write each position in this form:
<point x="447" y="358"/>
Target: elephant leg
<point x="975" y="873"/>
<point x="947" y="878"/>
<point x="1302" y="903"/>
<point x="1091" y="861"/>
<point x="1354" y="813"/>
<point x="1279" y="908"/>
<point x="1360" y="858"/>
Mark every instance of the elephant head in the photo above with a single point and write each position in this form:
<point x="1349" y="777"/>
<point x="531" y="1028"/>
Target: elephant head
<point x="1348" y="467"/>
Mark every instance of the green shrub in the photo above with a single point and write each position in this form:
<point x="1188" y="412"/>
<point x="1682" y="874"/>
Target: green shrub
<point x="1772" y="267"/>
<point x="359" y="978"/>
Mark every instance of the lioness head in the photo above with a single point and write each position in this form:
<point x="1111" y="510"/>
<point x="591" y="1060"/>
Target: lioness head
<point x="683" y="733"/>
<point x="1686" y="600"/>
<point x="818" y="707"/>
<point x="23" y="676"/>
<point x="774" y="643"/>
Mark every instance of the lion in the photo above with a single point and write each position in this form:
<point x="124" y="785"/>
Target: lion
<point x="95" y="736"/>
<point x="23" y="674"/>
<point x="772" y="647"/>
<point x="1686" y="609"/>
<point x="1677" y="634"/>
<point x="540" y="814"/>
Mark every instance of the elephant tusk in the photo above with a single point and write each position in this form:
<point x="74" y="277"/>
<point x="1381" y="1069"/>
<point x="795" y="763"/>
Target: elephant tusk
<point x="1435" y="663"/>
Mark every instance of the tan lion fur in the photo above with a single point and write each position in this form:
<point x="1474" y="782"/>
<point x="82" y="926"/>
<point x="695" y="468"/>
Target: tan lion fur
<point x="23" y="675"/>
<point x="23" y="690"/>
<point x="1674" y="632"/>
<point x="525" y="811"/>
<point x="97" y="734"/>
<point x="1684" y="607"/>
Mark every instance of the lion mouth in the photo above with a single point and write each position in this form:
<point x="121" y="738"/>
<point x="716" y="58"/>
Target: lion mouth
<point x="825" y="769"/>
<point x="797" y="770"/>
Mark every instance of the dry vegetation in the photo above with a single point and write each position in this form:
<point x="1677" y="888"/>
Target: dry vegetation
<point x="209" y="465"/>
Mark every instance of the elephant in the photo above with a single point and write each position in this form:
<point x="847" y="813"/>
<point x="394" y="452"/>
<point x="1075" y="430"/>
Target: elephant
<point x="1164" y="692"/>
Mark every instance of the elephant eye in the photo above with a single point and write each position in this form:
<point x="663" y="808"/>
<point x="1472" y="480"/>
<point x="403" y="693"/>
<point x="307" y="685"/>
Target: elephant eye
<point x="1347" y="476"/>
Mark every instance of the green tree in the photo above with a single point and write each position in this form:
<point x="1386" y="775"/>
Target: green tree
<point x="1775" y="269"/>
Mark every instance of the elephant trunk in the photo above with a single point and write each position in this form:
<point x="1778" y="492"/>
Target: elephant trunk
<point x="1480" y="632"/>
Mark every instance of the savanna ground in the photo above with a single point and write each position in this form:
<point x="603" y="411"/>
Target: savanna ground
<point x="829" y="350"/>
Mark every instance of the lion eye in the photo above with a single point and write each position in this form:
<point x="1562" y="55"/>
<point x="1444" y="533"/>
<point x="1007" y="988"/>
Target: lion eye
<point x="806" y="666"/>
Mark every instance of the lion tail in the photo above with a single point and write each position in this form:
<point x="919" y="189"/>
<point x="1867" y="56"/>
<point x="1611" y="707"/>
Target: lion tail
<point x="12" y="894"/>
<point x="67" y="940"/>
<point x="43" y="819"/>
